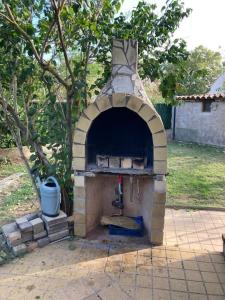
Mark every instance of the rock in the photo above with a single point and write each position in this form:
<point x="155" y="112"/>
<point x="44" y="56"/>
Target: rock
<point x="43" y="242"/>
<point x="59" y="235"/>
<point x="19" y="250"/>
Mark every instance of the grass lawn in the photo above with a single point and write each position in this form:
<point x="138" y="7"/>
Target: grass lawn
<point x="196" y="175"/>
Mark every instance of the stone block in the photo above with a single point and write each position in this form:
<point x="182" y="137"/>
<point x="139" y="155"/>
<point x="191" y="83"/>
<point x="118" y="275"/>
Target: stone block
<point x="118" y="56"/>
<point x="79" y="181"/>
<point x="57" y="227"/>
<point x="40" y="235"/>
<point x="38" y="225"/>
<point x="79" y="218"/>
<point x="43" y="242"/>
<point x="160" y="153"/>
<point x="19" y="250"/>
<point x="79" y="137"/>
<point x="78" y="150"/>
<point x="157" y="222"/>
<point x="32" y="216"/>
<point x="114" y="162"/>
<point x="157" y="237"/>
<point x="155" y="125"/>
<point x="91" y="111"/>
<point x="21" y="220"/>
<point x="58" y="235"/>
<point x="138" y="163"/>
<point x="146" y="112"/>
<point x="160" y="167"/>
<point x="83" y="123"/>
<point x="159" y="139"/>
<point x="80" y="230"/>
<point x="79" y="163"/>
<point x="119" y="100"/>
<point x="103" y="103"/>
<point x="126" y="163"/>
<point x="31" y="246"/>
<point x="27" y="236"/>
<point x="134" y="103"/>
<point x="102" y="161"/>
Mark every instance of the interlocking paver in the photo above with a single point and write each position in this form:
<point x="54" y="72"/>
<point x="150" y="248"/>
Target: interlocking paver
<point x="188" y="266"/>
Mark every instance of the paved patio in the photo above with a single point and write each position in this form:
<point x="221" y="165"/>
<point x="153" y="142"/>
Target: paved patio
<point x="188" y="266"/>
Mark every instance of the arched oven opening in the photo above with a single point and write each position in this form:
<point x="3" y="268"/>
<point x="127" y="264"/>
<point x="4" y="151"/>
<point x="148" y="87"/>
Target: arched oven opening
<point x="119" y="138"/>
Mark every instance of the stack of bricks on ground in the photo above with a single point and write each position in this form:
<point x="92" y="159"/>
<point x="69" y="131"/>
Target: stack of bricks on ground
<point x="34" y="230"/>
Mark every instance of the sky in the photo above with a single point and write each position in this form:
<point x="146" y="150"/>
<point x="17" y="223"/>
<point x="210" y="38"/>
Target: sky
<point x="205" y="25"/>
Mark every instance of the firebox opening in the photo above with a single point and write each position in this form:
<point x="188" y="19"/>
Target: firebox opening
<point x="119" y="132"/>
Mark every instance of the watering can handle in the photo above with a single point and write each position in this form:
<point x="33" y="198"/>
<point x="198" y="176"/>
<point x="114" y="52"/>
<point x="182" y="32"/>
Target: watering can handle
<point x="54" y="180"/>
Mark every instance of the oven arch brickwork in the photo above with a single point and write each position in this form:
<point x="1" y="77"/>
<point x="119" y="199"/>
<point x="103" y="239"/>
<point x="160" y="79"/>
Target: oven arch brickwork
<point x="123" y="90"/>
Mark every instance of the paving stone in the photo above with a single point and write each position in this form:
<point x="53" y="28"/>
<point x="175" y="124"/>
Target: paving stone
<point x="43" y="242"/>
<point x="59" y="235"/>
<point x="19" y="250"/>
<point x="25" y="227"/>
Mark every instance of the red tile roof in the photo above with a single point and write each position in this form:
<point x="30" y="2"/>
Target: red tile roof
<point x="202" y="97"/>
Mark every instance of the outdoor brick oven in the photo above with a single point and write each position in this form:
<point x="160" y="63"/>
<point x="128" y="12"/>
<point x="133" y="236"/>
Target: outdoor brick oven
<point x="123" y="127"/>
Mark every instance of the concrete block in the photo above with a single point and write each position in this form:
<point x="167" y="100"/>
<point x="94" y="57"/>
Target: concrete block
<point x="126" y="163"/>
<point x="25" y="227"/>
<point x="155" y="125"/>
<point x="79" y="181"/>
<point x="159" y="198"/>
<point x="79" y="137"/>
<point x="54" y="220"/>
<point x="157" y="222"/>
<point x="78" y="150"/>
<point x="160" y="167"/>
<point x="80" y="230"/>
<point x="79" y="218"/>
<point x="158" y="210"/>
<point x="19" y="250"/>
<point x="160" y="153"/>
<point x="91" y="111"/>
<point x="21" y="220"/>
<point x="14" y="238"/>
<point x="80" y="192"/>
<point x="157" y="237"/>
<point x="58" y="235"/>
<point x="38" y="225"/>
<point x="114" y="162"/>
<point x="26" y="236"/>
<point x="79" y="205"/>
<point x="31" y="246"/>
<point x="103" y="103"/>
<point x="83" y="123"/>
<point x="79" y="163"/>
<point x="8" y="228"/>
<point x="40" y="235"/>
<point x="43" y="242"/>
<point x="134" y="103"/>
<point x="31" y="216"/>
<point x="160" y="185"/>
<point x="119" y="100"/>
<point x="159" y="139"/>
<point x="146" y="112"/>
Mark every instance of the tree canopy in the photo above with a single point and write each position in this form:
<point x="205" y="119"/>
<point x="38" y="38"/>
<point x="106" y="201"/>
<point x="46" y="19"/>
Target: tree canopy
<point x="47" y="48"/>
